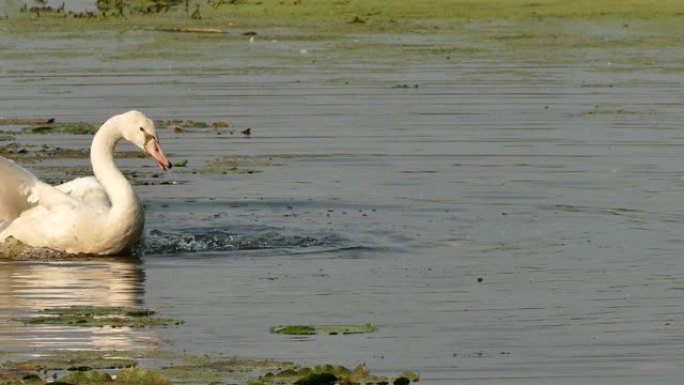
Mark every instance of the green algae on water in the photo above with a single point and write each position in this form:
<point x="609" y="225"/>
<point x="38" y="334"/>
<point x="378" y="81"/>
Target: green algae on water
<point x="324" y="329"/>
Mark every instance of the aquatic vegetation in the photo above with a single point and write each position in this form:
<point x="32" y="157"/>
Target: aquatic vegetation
<point x="14" y="250"/>
<point x="186" y="125"/>
<point x="28" y="153"/>
<point x="220" y="124"/>
<point x="238" y="161"/>
<point x="17" y="377"/>
<point x="300" y="330"/>
<point x="74" y="360"/>
<point x="25" y="121"/>
<point x="99" y="316"/>
<point x="338" y="16"/>
<point x="234" y="165"/>
<point x="324" y="329"/>
<point x="87" y="376"/>
<point x="331" y="374"/>
<point x="101" y="310"/>
<point x="207" y="369"/>
<point x="10" y="149"/>
<point x="170" y="367"/>
<point x="141" y="376"/>
<point x="606" y="111"/>
<point x="224" y="170"/>
<point x="76" y="128"/>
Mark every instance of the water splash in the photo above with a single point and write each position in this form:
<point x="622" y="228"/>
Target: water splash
<point x="198" y="240"/>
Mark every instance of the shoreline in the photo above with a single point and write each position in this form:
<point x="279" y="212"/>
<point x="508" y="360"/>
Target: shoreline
<point x="351" y="16"/>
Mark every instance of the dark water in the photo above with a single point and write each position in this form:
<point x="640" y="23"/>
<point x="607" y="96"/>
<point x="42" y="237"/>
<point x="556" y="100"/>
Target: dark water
<point x="554" y="176"/>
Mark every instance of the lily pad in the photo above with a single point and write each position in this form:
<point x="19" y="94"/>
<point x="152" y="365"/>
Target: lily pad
<point x="324" y="329"/>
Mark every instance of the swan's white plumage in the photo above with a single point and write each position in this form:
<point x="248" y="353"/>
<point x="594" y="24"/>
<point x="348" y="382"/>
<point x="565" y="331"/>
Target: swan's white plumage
<point x="99" y="215"/>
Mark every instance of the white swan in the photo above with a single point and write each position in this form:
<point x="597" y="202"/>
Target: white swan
<point x="95" y="215"/>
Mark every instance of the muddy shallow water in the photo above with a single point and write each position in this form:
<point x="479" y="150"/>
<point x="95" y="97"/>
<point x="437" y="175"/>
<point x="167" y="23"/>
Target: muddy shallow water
<point x="512" y="219"/>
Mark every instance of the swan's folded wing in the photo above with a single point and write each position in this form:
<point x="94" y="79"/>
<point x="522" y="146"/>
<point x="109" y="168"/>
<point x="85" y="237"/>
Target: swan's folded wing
<point x="18" y="190"/>
<point x="86" y="190"/>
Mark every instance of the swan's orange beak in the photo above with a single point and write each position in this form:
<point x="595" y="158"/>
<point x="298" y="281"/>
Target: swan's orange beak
<point x="154" y="149"/>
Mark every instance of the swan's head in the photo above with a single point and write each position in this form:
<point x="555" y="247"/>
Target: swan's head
<point x="139" y="130"/>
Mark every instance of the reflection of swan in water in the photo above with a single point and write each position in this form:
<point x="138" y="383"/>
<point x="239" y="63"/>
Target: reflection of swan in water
<point x="28" y="287"/>
<point x="100" y="215"/>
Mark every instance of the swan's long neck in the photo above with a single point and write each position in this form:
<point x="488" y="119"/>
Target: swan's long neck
<point x="125" y="203"/>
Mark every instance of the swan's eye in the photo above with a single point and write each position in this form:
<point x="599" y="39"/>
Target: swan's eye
<point x="142" y="129"/>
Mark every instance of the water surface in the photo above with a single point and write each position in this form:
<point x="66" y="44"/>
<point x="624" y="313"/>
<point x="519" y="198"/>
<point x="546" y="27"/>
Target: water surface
<point x="551" y="175"/>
